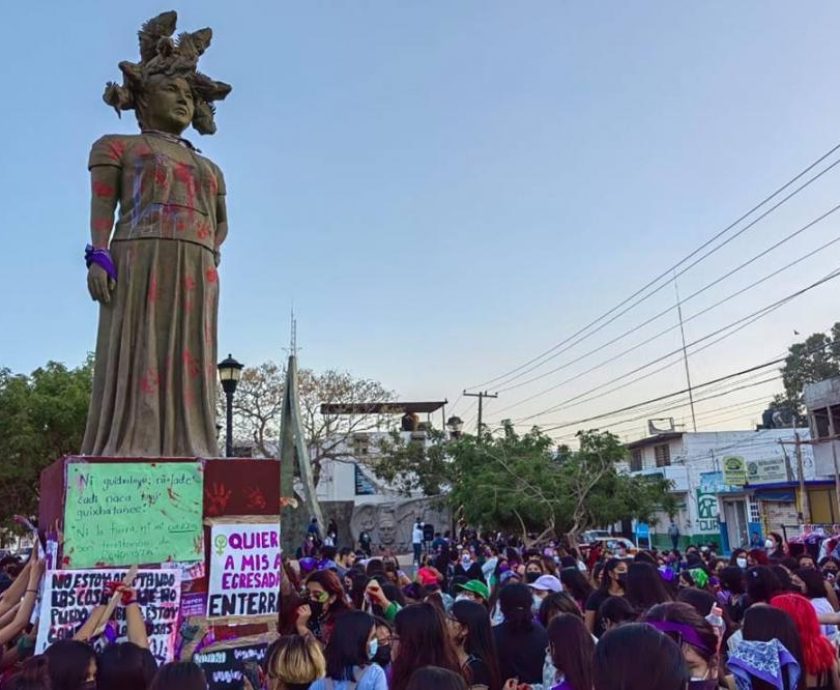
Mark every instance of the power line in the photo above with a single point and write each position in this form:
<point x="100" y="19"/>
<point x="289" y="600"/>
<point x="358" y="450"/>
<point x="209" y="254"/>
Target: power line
<point x="755" y="316"/>
<point x="673" y="269"/>
<point x="662" y="313"/>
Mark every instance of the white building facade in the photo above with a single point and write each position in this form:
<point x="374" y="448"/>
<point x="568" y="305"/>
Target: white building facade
<point x="729" y="485"/>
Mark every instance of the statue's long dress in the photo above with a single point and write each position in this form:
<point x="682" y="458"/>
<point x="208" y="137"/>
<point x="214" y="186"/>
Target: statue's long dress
<point x="154" y="386"/>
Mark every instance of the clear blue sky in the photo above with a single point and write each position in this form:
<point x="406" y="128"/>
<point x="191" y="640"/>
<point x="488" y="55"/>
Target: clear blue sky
<point x="444" y="190"/>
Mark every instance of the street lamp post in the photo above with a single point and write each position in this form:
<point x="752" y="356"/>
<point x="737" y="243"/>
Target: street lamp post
<point x="229" y="373"/>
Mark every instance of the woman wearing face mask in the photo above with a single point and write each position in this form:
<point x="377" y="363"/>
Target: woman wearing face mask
<point x="696" y="637"/>
<point x="350" y="654"/>
<point x="764" y="624"/>
<point x="533" y="570"/>
<point x="613" y="579"/>
<point x="469" y="628"/>
<point x="384" y="631"/>
<point x="572" y="650"/>
<point x="327" y="602"/>
<point x="739" y="558"/>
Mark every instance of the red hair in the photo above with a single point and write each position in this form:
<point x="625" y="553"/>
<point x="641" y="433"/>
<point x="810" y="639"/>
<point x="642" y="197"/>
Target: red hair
<point x="759" y="556"/>
<point x="817" y="652"/>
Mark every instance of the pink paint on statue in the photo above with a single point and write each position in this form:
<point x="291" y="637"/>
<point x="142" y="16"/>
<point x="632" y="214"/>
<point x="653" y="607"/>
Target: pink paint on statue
<point x="150" y="382"/>
<point x="103" y="224"/>
<point x="103" y="190"/>
<point x="212" y="275"/>
<point x="152" y="293"/>
<point x="116" y="150"/>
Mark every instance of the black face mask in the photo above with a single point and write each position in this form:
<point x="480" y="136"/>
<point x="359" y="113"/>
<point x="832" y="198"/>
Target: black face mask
<point x="317" y="608"/>
<point x="531" y="578"/>
<point x="622" y="579"/>
<point x="383" y="655"/>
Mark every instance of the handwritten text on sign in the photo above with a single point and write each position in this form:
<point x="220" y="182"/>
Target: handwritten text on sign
<point x="225" y="669"/>
<point x="116" y="514"/>
<point x="71" y="595"/>
<point x="244" y="570"/>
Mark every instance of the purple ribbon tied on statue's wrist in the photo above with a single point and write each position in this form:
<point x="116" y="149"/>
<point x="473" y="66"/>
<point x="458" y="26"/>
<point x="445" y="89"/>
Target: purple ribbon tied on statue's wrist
<point x="101" y="257"/>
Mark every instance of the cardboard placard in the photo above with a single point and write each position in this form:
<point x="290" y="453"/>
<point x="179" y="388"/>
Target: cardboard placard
<point x="116" y="514"/>
<point x="71" y="595"/>
<point x="245" y="570"/>
<point x="225" y="663"/>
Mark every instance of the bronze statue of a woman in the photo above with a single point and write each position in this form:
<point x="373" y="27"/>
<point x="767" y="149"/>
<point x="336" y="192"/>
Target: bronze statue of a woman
<point x="153" y="272"/>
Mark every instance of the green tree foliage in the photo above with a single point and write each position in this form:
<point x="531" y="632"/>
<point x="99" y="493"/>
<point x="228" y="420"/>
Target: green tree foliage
<point x="814" y="359"/>
<point x="42" y="417"/>
<point x="520" y="482"/>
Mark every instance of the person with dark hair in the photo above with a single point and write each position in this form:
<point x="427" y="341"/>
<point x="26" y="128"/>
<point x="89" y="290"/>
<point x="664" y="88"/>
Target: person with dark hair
<point x="72" y="665"/>
<point x="617" y="611"/>
<point x="327" y="602"/>
<point x="420" y="639"/>
<point x="469" y="627"/>
<point x="432" y="677"/>
<point x="638" y="657"/>
<point x="33" y="675"/>
<point x="384" y="631"/>
<point x="577" y="585"/>
<point x="731" y="594"/>
<point x="739" y="558"/>
<point x="179" y="675"/>
<point x="644" y="587"/>
<point x="696" y="636"/>
<point x="293" y="662"/>
<point x="125" y="666"/>
<point x="810" y="584"/>
<point x="346" y="560"/>
<point x="613" y="579"/>
<point x="572" y="650"/>
<point x="350" y="654"/>
<point x="763" y="623"/>
<point x="555" y="604"/>
<point x="762" y="585"/>
<point x="520" y="641"/>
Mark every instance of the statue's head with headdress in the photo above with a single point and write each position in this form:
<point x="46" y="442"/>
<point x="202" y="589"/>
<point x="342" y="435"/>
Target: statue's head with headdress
<point x="165" y="89"/>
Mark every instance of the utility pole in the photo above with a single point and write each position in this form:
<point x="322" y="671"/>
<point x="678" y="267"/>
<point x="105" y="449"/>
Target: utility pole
<point x="480" y="397"/>
<point x="685" y="356"/>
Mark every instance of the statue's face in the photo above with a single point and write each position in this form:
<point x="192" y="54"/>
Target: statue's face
<point x="387" y="533"/>
<point x="168" y="104"/>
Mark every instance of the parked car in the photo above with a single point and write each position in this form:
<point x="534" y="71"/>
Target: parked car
<point x="590" y="535"/>
<point x="613" y="546"/>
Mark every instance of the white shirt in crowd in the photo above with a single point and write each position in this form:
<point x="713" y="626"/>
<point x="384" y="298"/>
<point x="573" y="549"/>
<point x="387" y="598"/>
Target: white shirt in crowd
<point x="417" y="534"/>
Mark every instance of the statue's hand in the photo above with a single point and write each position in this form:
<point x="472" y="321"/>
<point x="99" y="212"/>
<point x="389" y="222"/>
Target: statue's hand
<point x="100" y="285"/>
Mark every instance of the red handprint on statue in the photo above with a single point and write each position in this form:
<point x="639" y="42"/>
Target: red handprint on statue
<point x="217" y="498"/>
<point x="255" y="498"/>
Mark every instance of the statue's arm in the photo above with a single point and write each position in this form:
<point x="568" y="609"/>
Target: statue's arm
<point x="221" y="225"/>
<point x="105" y="190"/>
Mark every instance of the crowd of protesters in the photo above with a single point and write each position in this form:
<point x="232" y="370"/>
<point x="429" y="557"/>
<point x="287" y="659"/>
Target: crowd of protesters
<point x="490" y="613"/>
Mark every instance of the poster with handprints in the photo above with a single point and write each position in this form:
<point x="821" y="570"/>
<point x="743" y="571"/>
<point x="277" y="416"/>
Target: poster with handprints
<point x="120" y="514"/>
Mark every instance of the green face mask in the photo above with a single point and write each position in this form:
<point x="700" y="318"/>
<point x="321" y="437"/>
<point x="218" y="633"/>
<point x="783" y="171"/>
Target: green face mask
<point x="320" y="597"/>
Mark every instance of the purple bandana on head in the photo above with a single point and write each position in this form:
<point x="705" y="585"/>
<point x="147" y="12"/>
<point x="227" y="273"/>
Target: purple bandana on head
<point x="687" y="633"/>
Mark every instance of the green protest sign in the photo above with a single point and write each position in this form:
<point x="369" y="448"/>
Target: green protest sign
<point x="126" y="513"/>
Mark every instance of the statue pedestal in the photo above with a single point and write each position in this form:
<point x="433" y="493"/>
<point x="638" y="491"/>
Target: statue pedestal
<point x="156" y="512"/>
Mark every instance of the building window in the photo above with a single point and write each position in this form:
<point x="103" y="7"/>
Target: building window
<point x="755" y="514"/>
<point x="361" y="445"/>
<point x="834" y="410"/>
<point x="821" y="423"/>
<point x="635" y="459"/>
<point x="662" y="453"/>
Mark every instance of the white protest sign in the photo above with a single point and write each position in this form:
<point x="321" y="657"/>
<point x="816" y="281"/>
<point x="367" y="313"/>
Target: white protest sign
<point x="71" y="595"/>
<point x="244" y="570"/>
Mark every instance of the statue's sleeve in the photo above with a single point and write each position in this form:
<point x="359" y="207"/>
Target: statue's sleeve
<point x="108" y="150"/>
